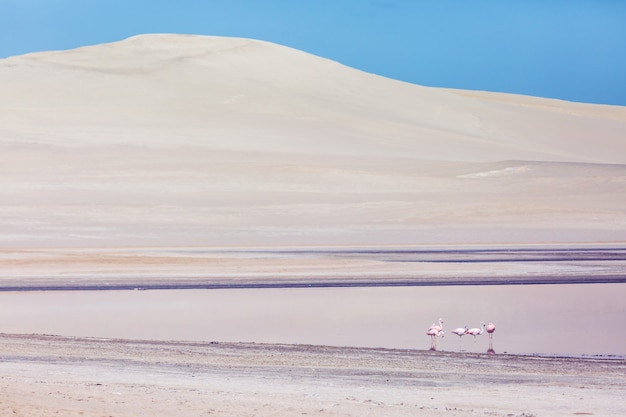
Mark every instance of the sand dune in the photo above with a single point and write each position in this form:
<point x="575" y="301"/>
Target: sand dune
<point x="189" y="140"/>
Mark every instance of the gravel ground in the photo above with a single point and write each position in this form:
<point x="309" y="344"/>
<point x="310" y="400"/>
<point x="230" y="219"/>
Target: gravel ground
<point x="52" y="375"/>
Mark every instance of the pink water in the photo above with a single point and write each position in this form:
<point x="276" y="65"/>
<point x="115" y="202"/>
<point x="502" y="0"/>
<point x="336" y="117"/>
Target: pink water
<point x="585" y="319"/>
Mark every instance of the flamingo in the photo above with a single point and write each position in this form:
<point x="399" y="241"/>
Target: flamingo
<point x="434" y="334"/>
<point x="460" y="331"/>
<point x="437" y="327"/>
<point x="490" y="329"/>
<point x="476" y="331"/>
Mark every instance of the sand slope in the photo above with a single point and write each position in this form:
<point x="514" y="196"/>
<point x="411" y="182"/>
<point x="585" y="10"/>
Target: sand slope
<point x="189" y="140"/>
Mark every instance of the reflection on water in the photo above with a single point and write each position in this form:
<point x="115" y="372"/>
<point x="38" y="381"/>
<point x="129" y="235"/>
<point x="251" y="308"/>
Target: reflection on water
<point x="584" y="319"/>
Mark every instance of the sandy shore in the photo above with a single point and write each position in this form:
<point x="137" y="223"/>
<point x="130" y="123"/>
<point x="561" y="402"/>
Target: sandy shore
<point x="203" y="267"/>
<point x="50" y="375"/>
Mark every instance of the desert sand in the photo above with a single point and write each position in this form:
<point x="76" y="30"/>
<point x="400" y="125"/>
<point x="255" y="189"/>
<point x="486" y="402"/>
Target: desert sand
<point x="192" y="160"/>
<point x="175" y="141"/>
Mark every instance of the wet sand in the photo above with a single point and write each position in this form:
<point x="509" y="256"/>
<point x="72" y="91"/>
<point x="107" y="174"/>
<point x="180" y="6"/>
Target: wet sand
<point x="214" y="268"/>
<point x="47" y="375"/>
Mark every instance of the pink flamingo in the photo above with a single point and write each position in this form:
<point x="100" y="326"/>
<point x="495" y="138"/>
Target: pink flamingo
<point x="434" y="334"/>
<point x="437" y="327"/>
<point x="476" y="331"/>
<point x="490" y="329"/>
<point x="460" y="331"/>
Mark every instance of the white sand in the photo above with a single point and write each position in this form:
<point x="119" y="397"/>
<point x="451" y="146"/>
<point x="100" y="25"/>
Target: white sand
<point x="170" y="140"/>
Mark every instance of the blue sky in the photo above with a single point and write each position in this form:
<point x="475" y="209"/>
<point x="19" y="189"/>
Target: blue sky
<point x="568" y="49"/>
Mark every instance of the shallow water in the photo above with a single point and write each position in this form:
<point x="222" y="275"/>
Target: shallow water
<point x="583" y="319"/>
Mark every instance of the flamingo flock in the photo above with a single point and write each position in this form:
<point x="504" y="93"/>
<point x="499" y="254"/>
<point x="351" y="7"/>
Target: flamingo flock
<point x="436" y="330"/>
